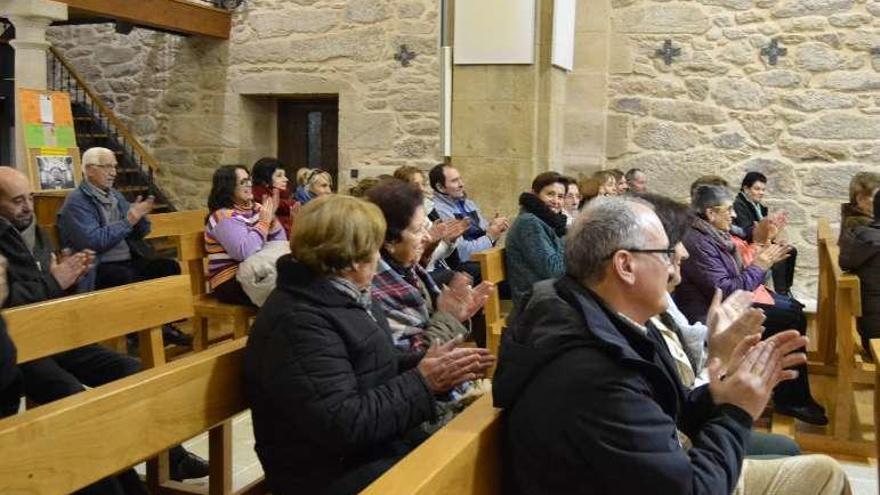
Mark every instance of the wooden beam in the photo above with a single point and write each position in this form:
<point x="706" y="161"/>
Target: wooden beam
<point x="178" y="16"/>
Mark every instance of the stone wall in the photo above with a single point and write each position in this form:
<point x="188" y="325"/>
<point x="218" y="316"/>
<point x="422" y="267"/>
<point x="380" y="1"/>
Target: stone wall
<point x="809" y="123"/>
<point x="198" y="103"/>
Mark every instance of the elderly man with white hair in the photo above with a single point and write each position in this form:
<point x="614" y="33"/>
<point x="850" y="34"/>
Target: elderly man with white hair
<point x="97" y="217"/>
<point x="592" y="402"/>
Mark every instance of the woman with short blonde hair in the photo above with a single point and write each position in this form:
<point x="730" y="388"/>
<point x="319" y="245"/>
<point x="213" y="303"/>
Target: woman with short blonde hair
<point x="333" y="403"/>
<point x="860" y="209"/>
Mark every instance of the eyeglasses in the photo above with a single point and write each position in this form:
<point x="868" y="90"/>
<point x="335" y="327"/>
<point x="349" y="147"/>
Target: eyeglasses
<point x="668" y="253"/>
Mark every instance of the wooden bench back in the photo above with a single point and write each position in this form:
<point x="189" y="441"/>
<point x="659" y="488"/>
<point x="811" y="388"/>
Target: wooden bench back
<point x="49" y="327"/>
<point x="463" y="457"/>
<point x="73" y="442"/>
<point x="492" y="269"/>
<point x="176" y="223"/>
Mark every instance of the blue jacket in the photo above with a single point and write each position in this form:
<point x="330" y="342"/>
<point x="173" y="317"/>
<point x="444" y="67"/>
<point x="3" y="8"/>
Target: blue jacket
<point x="81" y="225"/>
<point x="533" y="252"/>
<point x="475" y="239"/>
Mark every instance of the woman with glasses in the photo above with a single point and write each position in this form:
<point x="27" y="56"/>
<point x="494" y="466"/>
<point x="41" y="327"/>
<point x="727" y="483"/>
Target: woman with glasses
<point x="237" y="227"/>
<point x="315" y="183"/>
<point x="270" y="180"/>
<point x="715" y="262"/>
<point x="418" y="312"/>
<point x="534" y="243"/>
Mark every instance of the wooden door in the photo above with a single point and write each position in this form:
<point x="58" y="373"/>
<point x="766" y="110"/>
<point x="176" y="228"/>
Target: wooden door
<point x="308" y="134"/>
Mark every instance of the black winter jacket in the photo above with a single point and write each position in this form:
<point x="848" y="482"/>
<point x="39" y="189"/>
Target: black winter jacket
<point x="28" y="274"/>
<point x="860" y="254"/>
<point x="746" y="216"/>
<point x="328" y="391"/>
<point x="591" y="406"/>
<point x="11" y="385"/>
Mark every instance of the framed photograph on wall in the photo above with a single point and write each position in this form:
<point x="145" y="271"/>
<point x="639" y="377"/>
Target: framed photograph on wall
<point x="54" y="169"/>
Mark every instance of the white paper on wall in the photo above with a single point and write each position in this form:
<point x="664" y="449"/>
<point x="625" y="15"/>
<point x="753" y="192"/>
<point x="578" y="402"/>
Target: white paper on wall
<point x="494" y="32"/>
<point x="564" y="12"/>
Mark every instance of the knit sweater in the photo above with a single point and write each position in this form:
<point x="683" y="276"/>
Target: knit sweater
<point x="231" y="235"/>
<point x="534" y="249"/>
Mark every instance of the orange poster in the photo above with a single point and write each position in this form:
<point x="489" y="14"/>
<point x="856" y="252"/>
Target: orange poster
<point x="61" y="108"/>
<point x="30" y="106"/>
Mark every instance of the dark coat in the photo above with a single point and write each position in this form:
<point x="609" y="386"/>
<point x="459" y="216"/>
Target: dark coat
<point x="591" y="406"/>
<point x="860" y="254"/>
<point x="27" y="274"/>
<point x="328" y="391"/>
<point x="746" y="216"/>
<point x="534" y="248"/>
<point x="11" y="385"/>
<point x="81" y="225"/>
<point x="710" y="265"/>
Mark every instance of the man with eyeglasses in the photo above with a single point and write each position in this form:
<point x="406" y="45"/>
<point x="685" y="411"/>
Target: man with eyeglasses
<point x="592" y="402"/>
<point x="97" y="217"/>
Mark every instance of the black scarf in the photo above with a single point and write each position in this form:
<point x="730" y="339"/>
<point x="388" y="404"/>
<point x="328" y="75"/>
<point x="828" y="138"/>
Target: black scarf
<point x="532" y="204"/>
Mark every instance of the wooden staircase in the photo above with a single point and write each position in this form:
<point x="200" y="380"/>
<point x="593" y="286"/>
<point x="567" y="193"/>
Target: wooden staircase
<point x="97" y="125"/>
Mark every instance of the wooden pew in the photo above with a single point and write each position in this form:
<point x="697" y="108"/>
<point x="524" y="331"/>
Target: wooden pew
<point x="825" y="322"/>
<point x="492" y="269"/>
<point x="176" y="223"/>
<point x="57" y="325"/>
<point x="191" y="254"/>
<point x="73" y="442"/>
<point x="462" y="458"/>
<point x="875" y="352"/>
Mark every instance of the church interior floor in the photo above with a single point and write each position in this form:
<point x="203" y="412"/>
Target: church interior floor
<point x="861" y="471"/>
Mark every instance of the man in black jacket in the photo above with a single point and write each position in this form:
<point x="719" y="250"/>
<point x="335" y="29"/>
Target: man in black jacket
<point x="36" y="274"/>
<point x="10" y="376"/>
<point x="590" y="396"/>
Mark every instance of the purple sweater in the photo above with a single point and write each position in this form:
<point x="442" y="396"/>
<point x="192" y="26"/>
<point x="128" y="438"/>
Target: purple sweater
<point x="231" y="236"/>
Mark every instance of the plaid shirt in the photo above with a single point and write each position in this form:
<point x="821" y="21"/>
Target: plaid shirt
<point x="401" y="293"/>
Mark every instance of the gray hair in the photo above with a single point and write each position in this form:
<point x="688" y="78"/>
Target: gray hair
<point x="92" y="156"/>
<point x="631" y="173"/>
<point x="606" y="225"/>
<point x="706" y="197"/>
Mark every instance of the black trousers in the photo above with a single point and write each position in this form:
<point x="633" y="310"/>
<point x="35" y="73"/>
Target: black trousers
<point x="783" y="273"/>
<point x="116" y="273"/>
<point x="788" y="314"/>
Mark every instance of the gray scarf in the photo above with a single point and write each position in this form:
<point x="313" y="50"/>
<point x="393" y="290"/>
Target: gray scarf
<point x="109" y="201"/>
<point x="29" y="236"/>
<point x="722" y="238"/>
<point x="362" y="298"/>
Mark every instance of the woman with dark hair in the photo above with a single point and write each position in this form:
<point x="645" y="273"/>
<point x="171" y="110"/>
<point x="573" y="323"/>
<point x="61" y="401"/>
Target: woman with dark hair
<point x="715" y="263"/>
<point x="859" y="211"/>
<point x="334" y="404"/>
<point x="418" y="311"/>
<point x="751" y="213"/>
<point x="237" y="227"/>
<point x="270" y="180"/>
<point x="534" y="249"/>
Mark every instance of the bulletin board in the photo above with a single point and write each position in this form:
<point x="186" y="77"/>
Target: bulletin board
<point x="50" y="139"/>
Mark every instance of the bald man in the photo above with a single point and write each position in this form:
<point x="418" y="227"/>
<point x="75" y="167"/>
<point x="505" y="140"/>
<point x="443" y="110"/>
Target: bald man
<point x="35" y="274"/>
<point x="97" y="217"/>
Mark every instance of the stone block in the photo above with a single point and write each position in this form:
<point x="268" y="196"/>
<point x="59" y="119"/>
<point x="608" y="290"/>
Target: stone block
<point x="815" y="100"/>
<point x="416" y="101"/>
<point x="592" y="16"/>
<point x="366" y="11"/>
<point x="410" y="10"/>
<point x="509" y="83"/>
<point x="617" y="135"/>
<point x="813" y="151"/>
<point x="730" y="4"/>
<point x="584" y="133"/>
<point x="780" y="174"/>
<point x="738" y="52"/>
<point x="825" y="180"/>
<point x="110" y="55"/>
<point x="849" y="20"/>
<point x="368" y="130"/>
<point x="818" y="57"/>
<point x="686" y="111"/>
<point x="839" y="125"/>
<point x="665" y="136"/>
<point x="762" y="127"/>
<point x="620" y="56"/>
<point x="632" y="105"/>
<point x="697" y="88"/>
<point x="667" y="170"/>
<point x="657" y="88"/>
<point x="797" y="8"/>
<point x="412" y="147"/>
<point x="853" y="81"/>
<point x="739" y="94"/>
<point x="586" y="92"/>
<point x="778" y="78"/>
<point x="667" y="18"/>
<point x="591" y="52"/>
<point x="270" y="24"/>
